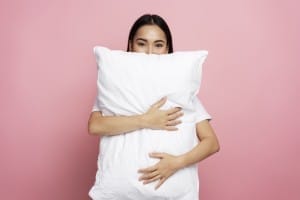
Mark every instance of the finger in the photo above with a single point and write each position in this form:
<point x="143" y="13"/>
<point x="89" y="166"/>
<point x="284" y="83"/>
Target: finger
<point x="147" y="170"/>
<point x="161" y="181"/>
<point x="173" y="122"/>
<point x="149" y="176"/>
<point x="159" y="103"/>
<point x="171" y="128"/>
<point x="157" y="155"/>
<point x="155" y="178"/>
<point x="174" y="116"/>
<point x="173" y="110"/>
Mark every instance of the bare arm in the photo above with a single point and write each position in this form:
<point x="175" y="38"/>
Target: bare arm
<point x="169" y="164"/>
<point x="154" y="118"/>
<point x="207" y="146"/>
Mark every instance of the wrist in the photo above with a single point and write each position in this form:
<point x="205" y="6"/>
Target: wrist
<point x="142" y="121"/>
<point x="181" y="162"/>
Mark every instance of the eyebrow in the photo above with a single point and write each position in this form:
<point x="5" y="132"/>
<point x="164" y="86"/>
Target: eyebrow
<point x="144" y="40"/>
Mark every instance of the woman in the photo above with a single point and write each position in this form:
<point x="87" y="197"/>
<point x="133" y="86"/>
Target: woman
<point x="150" y="34"/>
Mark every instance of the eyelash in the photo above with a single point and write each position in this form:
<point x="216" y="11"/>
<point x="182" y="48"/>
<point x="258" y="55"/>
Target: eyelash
<point x="156" y="45"/>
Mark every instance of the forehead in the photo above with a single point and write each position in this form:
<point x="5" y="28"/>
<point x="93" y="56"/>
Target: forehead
<point x="150" y="32"/>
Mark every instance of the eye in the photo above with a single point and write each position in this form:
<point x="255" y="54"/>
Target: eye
<point x="159" y="45"/>
<point x="141" y="44"/>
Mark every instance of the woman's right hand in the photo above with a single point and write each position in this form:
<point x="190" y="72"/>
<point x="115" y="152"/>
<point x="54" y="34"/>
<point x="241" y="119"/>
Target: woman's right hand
<point x="162" y="119"/>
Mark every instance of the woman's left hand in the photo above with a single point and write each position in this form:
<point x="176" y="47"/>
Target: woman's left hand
<point x="162" y="170"/>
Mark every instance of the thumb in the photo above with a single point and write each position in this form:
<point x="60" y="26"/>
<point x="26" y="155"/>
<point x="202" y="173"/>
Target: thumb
<point x="156" y="155"/>
<point x="159" y="103"/>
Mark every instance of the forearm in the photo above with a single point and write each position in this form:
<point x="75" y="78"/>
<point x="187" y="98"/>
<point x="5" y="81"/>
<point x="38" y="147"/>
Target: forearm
<point x="169" y="164"/>
<point x="154" y="118"/>
<point x="202" y="150"/>
<point x="115" y="125"/>
<point x="208" y="145"/>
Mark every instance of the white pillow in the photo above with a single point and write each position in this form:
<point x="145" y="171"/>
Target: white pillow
<point x="129" y="83"/>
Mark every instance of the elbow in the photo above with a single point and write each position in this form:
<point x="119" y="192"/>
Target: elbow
<point x="94" y="129"/>
<point x="91" y="130"/>
<point x="216" y="147"/>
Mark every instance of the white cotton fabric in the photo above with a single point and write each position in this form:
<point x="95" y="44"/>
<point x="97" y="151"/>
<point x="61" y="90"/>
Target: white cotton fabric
<point x="128" y="84"/>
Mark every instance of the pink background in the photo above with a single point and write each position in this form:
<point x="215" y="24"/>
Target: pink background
<point x="250" y="86"/>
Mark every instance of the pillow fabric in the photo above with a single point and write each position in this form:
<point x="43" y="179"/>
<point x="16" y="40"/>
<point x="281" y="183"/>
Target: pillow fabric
<point x="128" y="84"/>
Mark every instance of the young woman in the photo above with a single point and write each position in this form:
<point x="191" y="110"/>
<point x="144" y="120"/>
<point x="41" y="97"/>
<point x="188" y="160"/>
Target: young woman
<point x="150" y="34"/>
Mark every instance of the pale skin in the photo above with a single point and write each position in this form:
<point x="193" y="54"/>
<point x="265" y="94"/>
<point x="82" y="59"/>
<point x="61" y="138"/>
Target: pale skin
<point x="152" y="40"/>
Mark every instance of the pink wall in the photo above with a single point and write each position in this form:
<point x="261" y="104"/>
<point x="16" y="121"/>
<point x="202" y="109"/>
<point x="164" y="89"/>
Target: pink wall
<point x="250" y="86"/>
